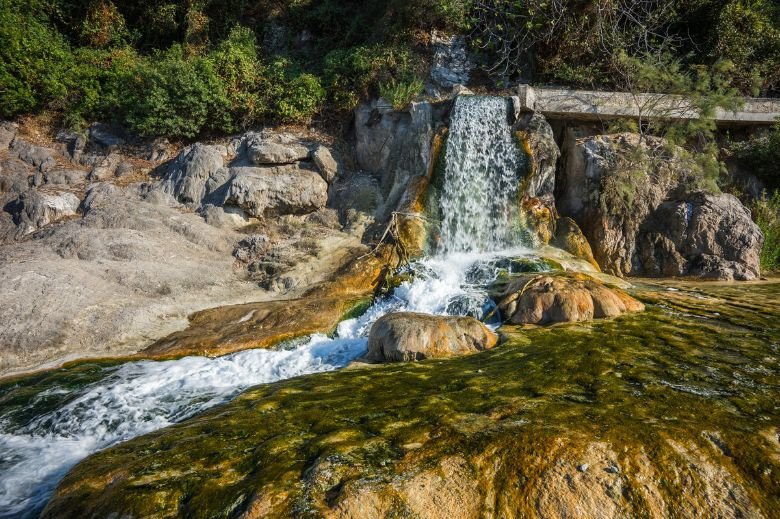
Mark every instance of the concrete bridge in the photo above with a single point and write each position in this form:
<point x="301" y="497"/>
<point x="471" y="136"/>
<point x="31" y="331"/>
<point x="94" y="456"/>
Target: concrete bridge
<point x="560" y="103"/>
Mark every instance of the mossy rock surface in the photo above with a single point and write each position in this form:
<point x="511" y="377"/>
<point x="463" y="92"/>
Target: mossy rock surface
<point x="668" y="413"/>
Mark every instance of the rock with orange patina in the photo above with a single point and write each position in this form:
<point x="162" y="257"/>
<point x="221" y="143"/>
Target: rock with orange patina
<point x="546" y="299"/>
<point x="408" y="336"/>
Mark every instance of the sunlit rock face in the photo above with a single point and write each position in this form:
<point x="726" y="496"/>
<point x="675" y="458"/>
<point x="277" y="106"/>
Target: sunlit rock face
<point x="648" y="217"/>
<point x="407" y="336"/>
<point x="671" y="409"/>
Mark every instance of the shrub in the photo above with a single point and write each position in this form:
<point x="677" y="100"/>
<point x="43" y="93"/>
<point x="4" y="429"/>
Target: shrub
<point x="766" y="212"/>
<point x="35" y="61"/>
<point x="291" y="95"/>
<point x="177" y="96"/>
<point x="400" y="92"/>
<point x="761" y="155"/>
<point x="236" y="63"/>
<point x="104" y="26"/>
<point x="357" y="73"/>
<point x="748" y="33"/>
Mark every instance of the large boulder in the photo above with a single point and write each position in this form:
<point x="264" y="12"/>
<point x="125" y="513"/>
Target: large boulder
<point x="407" y="336"/>
<point x="276" y="190"/>
<point x="394" y="146"/>
<point x="33" y="210"/>
<point x="325" y="162"/>
<point x="705" y="235"/>
<point x="262" y="152"/>
<point x="546" y="299"/>
<point x="195" y="173"/>
<point x="622" y="205"/>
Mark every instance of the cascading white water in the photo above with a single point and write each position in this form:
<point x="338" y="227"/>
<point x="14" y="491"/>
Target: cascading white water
<point x="139" y="397"/>
<point x="482" y="163"/>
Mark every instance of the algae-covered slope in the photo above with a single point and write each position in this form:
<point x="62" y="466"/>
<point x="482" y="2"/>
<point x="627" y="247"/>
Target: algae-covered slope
<point x="668" y="413"/>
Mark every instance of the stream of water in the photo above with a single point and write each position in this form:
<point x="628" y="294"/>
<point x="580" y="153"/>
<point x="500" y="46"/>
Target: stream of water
<point x="478" y="242"/>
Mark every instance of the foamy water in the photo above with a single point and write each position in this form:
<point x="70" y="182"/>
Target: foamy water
<point x="479" y="214"/>
<point x="140" y="397"/>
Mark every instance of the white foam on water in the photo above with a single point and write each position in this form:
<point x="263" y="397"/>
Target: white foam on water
<point x="140" y="397"/>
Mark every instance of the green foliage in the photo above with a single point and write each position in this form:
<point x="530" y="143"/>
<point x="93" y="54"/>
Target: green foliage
<point x="292" y="96"/>
<point x="177" y="96"/>
<point x="401" y="92"/>
<point x="34" y="60"/>
<point x="238" y="67"/>
<point x="761" y="155"/>
<point x="766" y="213"/>
<point x="104" y="26"/>
<point x="353" y="74"/>
<point x="748" y="34"/>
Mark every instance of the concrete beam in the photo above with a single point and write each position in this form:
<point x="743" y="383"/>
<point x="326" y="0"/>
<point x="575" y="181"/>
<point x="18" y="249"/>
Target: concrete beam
<point x="559" y="103"/>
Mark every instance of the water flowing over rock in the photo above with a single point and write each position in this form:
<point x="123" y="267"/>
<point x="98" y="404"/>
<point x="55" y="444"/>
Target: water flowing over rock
<point x="479" y="197"/>
<point x="405" y="336"/>
<point x="667" y="228"/>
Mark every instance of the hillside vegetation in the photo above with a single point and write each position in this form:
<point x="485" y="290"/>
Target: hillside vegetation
<point x="180" y="68"/>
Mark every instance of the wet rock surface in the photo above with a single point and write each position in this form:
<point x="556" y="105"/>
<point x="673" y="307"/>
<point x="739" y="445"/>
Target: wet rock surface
<point x="569" y="237"/>
<point x="123" y="247"/>
<point x="406" y="336"/>
<point x="562" y="298"/>
<point x="507" y="432"/>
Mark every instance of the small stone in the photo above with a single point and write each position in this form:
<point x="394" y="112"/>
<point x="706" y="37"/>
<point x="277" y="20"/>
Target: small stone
<point x="612" y="469"/>
<point x="583" y="468"/>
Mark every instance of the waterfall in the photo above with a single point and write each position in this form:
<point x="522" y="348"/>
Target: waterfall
<point x="479" y="201"/>
<point x="480" y="240"/>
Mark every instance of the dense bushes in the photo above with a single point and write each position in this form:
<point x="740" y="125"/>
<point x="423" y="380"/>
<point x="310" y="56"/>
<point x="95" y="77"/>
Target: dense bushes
<point x="182" y="67"/>
<point x="766" y="212"/>
<point x="34" y="61"/>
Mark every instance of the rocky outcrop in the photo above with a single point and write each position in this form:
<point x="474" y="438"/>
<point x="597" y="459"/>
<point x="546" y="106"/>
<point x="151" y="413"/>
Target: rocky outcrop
<point x="537" y="142"/>
<point x="195" y="174"/>
<point x="451" y="64"/>
<point x="394" y="146"/>
<point x="704" y="235"/>
<point x="643" y="218"/>
<point x="269" y="175"/>
<point x="35" y="209"/>
<point x="546" y="299"/>
<point x="7" y="134"/>
<point x="569" y="237"/>
<point x="273" y="191"/>
<point x="407" y="336"/>
<point x="37" y="156"/>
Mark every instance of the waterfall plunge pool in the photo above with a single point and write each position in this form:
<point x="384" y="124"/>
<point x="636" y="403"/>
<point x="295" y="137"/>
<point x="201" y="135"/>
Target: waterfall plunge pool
<point x="50" y="422"/>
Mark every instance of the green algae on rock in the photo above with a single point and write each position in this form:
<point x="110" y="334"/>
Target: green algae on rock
<point x="663" y="413"/>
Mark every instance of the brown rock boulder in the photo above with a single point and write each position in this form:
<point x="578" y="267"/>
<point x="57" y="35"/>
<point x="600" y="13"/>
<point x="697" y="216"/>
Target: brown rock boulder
<point x="569" y="237"/>
<point x="641" y="206"/>
<point x="550" y="299"/>
<point x="406" y="336"/>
